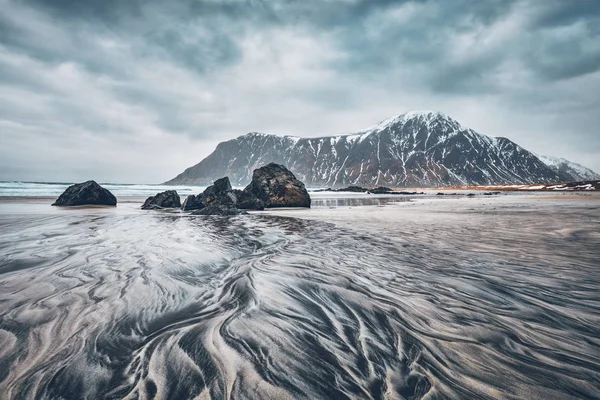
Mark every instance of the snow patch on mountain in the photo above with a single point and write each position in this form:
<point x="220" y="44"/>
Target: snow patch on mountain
<point x="417" y="148"/>
<point x="568" y="170"/>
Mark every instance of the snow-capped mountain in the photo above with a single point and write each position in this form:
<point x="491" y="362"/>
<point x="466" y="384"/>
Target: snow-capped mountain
<point x="568" y="170"/>
<point x="419" y="148"/>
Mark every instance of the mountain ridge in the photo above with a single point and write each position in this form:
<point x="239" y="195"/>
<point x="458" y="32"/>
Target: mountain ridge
<point x="567" y="170"/>
<point x="417" y="148"/>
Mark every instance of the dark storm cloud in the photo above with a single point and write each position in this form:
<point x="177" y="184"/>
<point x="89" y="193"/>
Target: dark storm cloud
<point x="213" y="50"/>
<point x="107" y="11"/>
<point x="359" y="28"/>
<point x="177" y="77"/>
<point x="556" y="13"/>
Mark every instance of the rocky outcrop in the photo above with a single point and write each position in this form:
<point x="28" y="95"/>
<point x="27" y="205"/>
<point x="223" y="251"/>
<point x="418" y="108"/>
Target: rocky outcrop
<point x="377" y="190"/>
<point x="167" y="199"/>
<point x="217" y="199"/>
<point x="247" y="201"/>
<point x="222" y="185"/>
<point x="192" y="202"/>
<point x="276" y="186"/>
<point x="220" y="193"/>
<point x="353" y="189"/>
<point x="86" y="193"/>
<point x="272" y="186"/>
<point x="380" y="190"/>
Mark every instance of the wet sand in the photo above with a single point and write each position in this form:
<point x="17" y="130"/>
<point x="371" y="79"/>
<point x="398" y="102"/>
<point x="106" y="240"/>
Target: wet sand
<point x="487" y="297"/>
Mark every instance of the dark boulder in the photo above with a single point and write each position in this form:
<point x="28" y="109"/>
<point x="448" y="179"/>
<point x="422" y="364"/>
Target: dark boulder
<point x="247" y="201"/>
<point x="225" y="198"/>
<point x="222" y="185"/>
<point x="192" y="202"/>
<point x="167" y="199"/>
<point x="86" y="193"/>
<point x="276" y="186"/>
<point x="220" y="193"/>
<point x="218" y="209"/>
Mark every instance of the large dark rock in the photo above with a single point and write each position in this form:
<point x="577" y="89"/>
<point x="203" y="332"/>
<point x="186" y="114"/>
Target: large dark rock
<point x="222" y="185"/>
<point x="220" y="193"/>
<point x="167" y="199"/>
<point x="86" y="193"/>
<point x="276" y="186"/>
<point x="219" y="186"/>
<point x="247" y="201"/>
<point x="218" y="209"/>
<point x="192" y="202"/>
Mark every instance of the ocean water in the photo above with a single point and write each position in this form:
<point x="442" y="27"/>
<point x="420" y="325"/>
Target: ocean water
<point x="27" y="189"/>
<point x="495" y="298"/>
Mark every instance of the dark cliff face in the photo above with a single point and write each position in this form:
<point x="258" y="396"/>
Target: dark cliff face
<point x="412" y="149"/>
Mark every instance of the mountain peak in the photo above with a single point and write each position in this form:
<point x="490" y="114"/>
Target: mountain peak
<point x="424" y="113"/>
<point x="255" y="134"/>
<point x="418" y="116"/>
<point x="416" y="148"/>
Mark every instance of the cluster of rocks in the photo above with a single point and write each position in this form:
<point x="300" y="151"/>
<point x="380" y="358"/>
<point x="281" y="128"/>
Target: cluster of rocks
<point x="272" y="186"/>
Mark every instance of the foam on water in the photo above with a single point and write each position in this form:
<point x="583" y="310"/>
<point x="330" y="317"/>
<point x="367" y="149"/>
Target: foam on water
<point x="27" y="189"/>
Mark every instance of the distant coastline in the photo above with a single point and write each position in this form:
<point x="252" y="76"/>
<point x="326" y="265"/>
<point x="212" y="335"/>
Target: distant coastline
<point x="21" y="189"/>
<point x="54" y="189"/>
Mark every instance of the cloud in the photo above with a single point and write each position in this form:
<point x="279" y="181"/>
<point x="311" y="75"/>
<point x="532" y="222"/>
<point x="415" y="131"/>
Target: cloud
<point x="137" y="91"/>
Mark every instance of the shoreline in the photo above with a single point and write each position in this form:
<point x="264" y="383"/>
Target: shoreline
<point x="427" y="193"/>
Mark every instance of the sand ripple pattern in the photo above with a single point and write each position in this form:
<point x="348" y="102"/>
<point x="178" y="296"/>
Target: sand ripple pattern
<point x="173" y="307"/>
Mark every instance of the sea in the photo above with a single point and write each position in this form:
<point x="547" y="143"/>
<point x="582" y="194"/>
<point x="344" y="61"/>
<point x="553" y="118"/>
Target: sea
<point x="358" y="297"/>
<point x="29" y="189"/>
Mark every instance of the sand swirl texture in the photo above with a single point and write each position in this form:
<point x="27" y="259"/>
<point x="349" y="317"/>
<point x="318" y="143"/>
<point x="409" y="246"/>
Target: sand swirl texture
<point x="450" y="300"/>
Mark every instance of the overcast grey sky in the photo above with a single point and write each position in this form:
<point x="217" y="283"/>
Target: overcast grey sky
<point x="136" y="91"/>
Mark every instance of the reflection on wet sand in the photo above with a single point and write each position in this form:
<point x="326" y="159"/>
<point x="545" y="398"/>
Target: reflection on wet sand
<point x="335" y="202"/>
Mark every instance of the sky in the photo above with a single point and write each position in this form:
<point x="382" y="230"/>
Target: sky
<point x="136" y="91"/>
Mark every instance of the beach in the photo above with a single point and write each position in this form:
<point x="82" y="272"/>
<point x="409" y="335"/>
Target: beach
<point x="361" y="296"/>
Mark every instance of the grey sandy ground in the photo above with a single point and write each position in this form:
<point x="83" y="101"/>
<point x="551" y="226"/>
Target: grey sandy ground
<point x="484" y="297"/>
